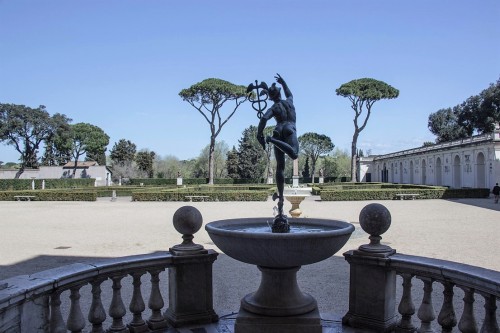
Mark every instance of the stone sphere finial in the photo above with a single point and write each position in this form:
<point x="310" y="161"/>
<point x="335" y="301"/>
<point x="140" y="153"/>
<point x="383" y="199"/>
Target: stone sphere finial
<point x="375" y="219"/>
<point x="187" y="221"/>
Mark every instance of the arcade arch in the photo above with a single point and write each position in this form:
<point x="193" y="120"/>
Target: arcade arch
<point x="457" y="174"/>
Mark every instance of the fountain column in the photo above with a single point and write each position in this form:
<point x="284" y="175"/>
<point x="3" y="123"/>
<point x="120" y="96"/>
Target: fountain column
<point x="295" y="173"/>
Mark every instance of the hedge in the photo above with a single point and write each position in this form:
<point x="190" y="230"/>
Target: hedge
<point x="126" y="191"/>
<point x="390" y="193"/>
<point x="180" y="195"/>
<point x="25" y="184"/>
<point x="366" y="186"/>
<point x="191" y="181"/>
<point x="51" y="195"/>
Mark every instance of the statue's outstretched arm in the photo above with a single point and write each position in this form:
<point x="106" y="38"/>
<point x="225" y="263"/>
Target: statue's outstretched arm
<point x="281" y="81"/>
<point x="262" y="124"/>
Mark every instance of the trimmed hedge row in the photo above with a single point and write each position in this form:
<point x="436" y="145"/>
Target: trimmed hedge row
<point x="51" y="195"/>
<point x="236" y="188"/>
<point x="126" y="191"/>
<point x="191" y="181"/>
<point x="368" y="186"/>
<point x="390" y="193"/>
<point x="25" y="184"/>
<point x="212" y="196"/>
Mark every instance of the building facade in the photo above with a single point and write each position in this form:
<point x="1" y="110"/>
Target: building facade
<point x="101" y="173"/>
<point x="466" y="163"/>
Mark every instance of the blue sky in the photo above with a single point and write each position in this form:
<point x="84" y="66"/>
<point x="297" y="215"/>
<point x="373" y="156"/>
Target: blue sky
<point x="120" y="64"/>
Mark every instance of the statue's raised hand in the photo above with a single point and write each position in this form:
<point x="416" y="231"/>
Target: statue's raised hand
<point x="279" y="79"/>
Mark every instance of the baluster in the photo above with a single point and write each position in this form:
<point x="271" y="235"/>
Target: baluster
<point x="446" y="317"/>
<point x="156" y="321"/>
<point x="137" y="306"/>
<point x="56" y="319"/>
<point x="426" y="310"/>
<point x="490" y="324"/>
<point x="406" y="307"/>
<point x="467" y="322"/>
<point x="76" y="321"/>
<point x="97" y="315"/>
<point x="117" y="309"/>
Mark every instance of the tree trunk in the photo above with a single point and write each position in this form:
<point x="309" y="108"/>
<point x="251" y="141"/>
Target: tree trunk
<point x="211" y="161"/>
<point x="313" y="169"/>
<point x="354" y="171"/>
<point x="74" y="169"/>
<point x="19" y="172"/>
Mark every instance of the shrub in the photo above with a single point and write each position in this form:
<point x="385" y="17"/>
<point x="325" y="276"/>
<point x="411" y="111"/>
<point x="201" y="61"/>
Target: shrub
<point x="51" y="195"/>
<point x="424" y="192"/>
<point x="180" y="195"/>
<point x="25" y="184"/>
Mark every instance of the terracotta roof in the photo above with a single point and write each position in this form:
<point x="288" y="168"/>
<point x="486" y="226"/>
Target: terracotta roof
<point x="80" y="164"/>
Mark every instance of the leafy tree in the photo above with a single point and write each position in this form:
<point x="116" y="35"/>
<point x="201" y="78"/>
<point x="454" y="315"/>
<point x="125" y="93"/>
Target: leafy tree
<point x="144" y="159"/>
<point x="444" y="124"/>
<point x="87" y="139"/>
<point x="363" y="93"/>
<point x="251" y="157"/>
<point x="58" y="144"/>
<point x="25" y="129"/>
<point x="232" y="163"/>
<point x="208" y="97"/>
<point x="123" y="152"/>
<point x="488" y="112"/>
<point x="314" y="145"/>
<point x="428" y="144"/>
<point x="122" y="157"/>
<point x="336" y="164"/>
<point x="306" y="173"/>
<point x="477" y="114"/>
<point x="219" y="161"/>
<point x="98" y="156"/>
<point x="167" y="167"/>
<point x="11" y="165"/>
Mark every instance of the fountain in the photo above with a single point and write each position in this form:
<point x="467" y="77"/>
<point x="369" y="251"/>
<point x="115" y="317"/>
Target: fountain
<point x="279" y="305"/>
<point x="277" y="248"/>
<point x="295" y="197"/>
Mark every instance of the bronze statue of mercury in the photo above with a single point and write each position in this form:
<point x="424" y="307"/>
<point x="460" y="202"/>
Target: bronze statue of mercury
<point x="284" y="140"/>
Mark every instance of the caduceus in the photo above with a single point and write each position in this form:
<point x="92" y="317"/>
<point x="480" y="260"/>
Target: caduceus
<point x="258" y="98"/>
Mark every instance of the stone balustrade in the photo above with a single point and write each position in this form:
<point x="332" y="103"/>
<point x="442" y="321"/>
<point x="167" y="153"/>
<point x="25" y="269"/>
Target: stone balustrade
<point x="372" y="292"/>
<point x="373" y="305"/>
<point x="33" y="303"/>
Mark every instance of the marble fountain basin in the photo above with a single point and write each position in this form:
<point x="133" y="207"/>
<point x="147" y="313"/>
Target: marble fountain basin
<point x="250" y="240"/>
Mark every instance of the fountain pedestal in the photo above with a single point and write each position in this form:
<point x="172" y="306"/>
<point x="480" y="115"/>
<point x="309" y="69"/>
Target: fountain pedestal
<point x="295" y="200"/>
<point x="278" y="305"/>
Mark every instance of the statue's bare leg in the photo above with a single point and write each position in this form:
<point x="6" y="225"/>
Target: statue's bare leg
<point x="280" y="178"/>
<point x="292" y="150"/>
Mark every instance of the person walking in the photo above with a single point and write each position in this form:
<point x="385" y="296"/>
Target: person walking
<point x="496" y="192"/>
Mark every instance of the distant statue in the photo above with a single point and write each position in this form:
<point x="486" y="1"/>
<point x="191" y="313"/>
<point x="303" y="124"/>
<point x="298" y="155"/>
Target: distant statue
<point x="270" y="172"/>
<point x="284" y="139"/>
<point x="179" y="174"/>
<point x="321" y="172"/>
